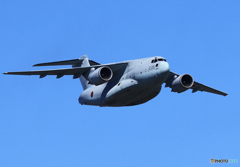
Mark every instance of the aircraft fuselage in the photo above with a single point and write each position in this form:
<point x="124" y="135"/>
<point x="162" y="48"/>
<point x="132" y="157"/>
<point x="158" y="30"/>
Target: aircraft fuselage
<point x="138" y="83"/>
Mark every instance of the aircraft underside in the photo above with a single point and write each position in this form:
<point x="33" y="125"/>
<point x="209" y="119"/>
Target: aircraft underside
<point x="133" y="97"/>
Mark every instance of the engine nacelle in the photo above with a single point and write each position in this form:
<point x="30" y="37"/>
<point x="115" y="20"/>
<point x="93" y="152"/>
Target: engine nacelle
<point x="100" y="76"/>
<point x="182" y="83"/>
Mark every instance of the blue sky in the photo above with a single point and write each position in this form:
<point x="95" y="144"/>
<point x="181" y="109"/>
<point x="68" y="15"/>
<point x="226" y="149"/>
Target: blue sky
<point x="41" y="121"/>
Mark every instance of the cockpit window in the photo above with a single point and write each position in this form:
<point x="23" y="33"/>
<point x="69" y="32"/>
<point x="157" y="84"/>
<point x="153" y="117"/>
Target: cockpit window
<point x="159" y="59"/>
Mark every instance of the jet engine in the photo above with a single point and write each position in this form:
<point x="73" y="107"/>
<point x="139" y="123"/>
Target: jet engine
<point x="182" y="83"/>
<point x="100" y="76"/>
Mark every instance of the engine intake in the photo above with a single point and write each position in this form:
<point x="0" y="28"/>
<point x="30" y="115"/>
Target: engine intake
<point x="182" y="83"/>
<point x="100" y="76"/>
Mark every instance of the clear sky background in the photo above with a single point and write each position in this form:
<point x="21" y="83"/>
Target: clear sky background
<point x="41" y="121"/>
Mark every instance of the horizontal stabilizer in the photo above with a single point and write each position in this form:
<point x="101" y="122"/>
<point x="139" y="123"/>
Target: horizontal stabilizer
<point x="65" y="62"/>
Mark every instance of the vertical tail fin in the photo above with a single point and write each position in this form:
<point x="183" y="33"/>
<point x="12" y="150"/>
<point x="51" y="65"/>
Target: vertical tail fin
<point x="85" y="63"/>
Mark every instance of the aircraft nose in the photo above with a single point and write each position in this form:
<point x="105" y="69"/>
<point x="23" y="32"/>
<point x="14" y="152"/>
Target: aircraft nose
<point x="164" y="67"/>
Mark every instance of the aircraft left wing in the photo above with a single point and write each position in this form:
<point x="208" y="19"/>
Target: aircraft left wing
<point x="195" y="87"/>
<point x="75" y="71"/>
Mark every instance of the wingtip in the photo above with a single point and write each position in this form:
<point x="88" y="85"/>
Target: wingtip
<point x="5" y="73"/>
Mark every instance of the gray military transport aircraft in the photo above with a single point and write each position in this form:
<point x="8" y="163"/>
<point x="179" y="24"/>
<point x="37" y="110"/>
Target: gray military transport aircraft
<point x="125" y="83"/>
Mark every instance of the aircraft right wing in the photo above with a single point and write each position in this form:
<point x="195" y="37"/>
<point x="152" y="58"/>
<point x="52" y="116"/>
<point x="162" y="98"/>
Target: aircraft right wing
<point x="75" y="71"/>
<point x="78" y="71"/>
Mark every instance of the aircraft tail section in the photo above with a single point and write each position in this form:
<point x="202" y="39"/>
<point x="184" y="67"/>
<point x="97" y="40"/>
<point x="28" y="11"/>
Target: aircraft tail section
<point x="73" y="62"/>
<point x="81" y="62"/>
<point x="85" y="63"/>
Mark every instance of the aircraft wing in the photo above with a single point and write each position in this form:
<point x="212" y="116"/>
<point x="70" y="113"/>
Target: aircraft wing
<point x="75" y="71"/>
<point x="196" y="86"/>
